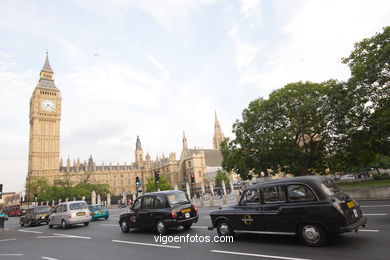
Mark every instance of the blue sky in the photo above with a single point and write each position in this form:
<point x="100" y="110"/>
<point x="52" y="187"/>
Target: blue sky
<point x="158" y="68"/>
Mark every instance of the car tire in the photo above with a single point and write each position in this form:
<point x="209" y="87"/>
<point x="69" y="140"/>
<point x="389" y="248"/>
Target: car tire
<point x="64" y="225"/>
<point x="161" y="227"/>
<point x="187" y="226"/>
<point x="125" y="227"/>
<point x="106" y="217"/>
<point x="312" y="234"/>
<point x="86" y="224"/>
<point x="224" y="228"/>
<point x="50" y="226"/>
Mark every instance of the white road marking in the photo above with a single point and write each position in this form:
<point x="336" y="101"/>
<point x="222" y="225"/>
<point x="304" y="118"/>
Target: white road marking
<point x="374" y="206"/>
<point x="49" y="258"/>
<point x="30" y="231"/>
<point x="52" y="237"/>
<point x="71" y="236"/>
<point x="45" y="226"/>
<point x="143" y="244"/>
<point x="258" y="255"/>
<point x="110" y="225"/>
<point x="9" y="239"/>
<point x="11" y="254"/>
<point x="117" y="215"/>
<point x="376" y="214"/>
<point x="368" y="230"/>
<point x="207" y="217"/>
<point x="198" y="226"/>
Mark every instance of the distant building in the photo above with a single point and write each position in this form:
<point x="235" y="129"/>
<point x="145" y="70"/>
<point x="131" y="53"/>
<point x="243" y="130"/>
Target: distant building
<point x="44" y="151"/>
<point x="11" y="198"/>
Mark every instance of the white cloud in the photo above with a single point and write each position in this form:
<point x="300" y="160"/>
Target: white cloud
<point x="319" y="34"/>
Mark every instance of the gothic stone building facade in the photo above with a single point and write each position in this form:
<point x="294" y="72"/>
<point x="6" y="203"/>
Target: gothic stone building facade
<point x="44" y="151"/>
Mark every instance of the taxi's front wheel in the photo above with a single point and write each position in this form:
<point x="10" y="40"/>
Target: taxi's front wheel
<point x="312" y="234"/>
<point x="224" y="228"/>
<point x="124" y="226"/>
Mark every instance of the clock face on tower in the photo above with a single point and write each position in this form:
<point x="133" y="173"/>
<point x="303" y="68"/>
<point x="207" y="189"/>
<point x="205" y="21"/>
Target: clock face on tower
<point x="48" y="105"/>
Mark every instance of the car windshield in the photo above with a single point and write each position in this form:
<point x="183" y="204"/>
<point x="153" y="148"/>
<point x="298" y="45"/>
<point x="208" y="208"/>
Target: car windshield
<point x="41" y="210"/>
<point x="78" y="205"/>
<point x="330" y="187"/>
<point x="177" y="198"/>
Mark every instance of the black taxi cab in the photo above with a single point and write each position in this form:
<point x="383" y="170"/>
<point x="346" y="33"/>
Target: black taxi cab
<point x="311" y="207"/>
<point x="35" y="216"/>
<point x="161" y="211"/>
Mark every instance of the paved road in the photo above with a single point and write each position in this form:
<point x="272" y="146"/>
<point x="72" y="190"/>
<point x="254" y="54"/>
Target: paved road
<point x="104" y="240"/>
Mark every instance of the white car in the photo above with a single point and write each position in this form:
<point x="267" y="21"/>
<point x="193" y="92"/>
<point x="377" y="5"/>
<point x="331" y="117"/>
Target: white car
<point x="70" y="213"/>
<point x="348" y="177"/>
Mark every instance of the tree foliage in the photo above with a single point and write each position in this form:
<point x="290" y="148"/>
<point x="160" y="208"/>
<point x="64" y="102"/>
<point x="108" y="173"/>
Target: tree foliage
<point x="63" y="189"/>
<point x="221" y="175"/>
<point x="163" y="184"/>
<point x="287" y="132"/>
<point x="306" y="127"/>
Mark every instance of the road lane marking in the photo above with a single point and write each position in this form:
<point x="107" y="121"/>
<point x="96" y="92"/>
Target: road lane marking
<point x="373" y="206"/>
<point x="9" y="239"/>
<point x="71" y="236"/>
<point x="40" y="226"/>
<point x="376" y="214"/>
<point x="258" y="255"/>
<point x="49" y="258"/>
<point x="11" y="254"/>
<point x="368" y="230"/>
<point x="143" y="244"/>
<point x="30" y="231"/>
<point x="52" y="237"/>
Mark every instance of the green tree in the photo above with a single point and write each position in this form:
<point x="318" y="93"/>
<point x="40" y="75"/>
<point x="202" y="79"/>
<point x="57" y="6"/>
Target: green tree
<point x="62" y="189"/>
<point x="365" y="130"/>
<point x="287" y="132"/>
<point x="221" y="175"/>
<point x="163" y="184"/>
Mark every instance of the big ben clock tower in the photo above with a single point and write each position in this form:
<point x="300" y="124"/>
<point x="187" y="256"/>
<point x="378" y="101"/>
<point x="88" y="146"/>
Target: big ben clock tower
<point x="45" y="116"/>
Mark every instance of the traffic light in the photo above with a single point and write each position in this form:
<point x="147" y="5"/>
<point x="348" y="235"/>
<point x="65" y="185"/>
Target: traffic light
<point x="192" y="178"/>
<point x="137" y="182"/>
<point x="156" y="176"/>
<point x="1" y="191"/>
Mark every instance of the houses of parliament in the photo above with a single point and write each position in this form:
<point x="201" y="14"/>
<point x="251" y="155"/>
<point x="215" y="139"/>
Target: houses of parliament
<point x="44" y="151"/>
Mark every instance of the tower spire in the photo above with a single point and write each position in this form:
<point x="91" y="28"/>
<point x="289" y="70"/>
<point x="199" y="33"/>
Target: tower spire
<point x="218" y="135"/>
<point x="46" y="72"/>
<point x="185" y="145"/>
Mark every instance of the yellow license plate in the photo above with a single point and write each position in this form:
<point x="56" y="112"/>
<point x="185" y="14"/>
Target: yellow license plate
<point x="185" y="210"/>
<point x="101" y="212"/>
<point x="80" y="214"/>
<point x="351" y="204"/>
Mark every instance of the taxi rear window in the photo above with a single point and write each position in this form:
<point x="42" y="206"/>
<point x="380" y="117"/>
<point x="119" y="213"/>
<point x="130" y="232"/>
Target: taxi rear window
<point x="78" y="205"/>
<point x="177" y="198"/>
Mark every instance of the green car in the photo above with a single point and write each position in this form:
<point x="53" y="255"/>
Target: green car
<point x="98" y="211"/>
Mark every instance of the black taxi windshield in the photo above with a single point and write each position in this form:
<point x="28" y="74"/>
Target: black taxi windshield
<point x="41" y="210"/>
<point x="178" y="198"/>
<point x="330" y="187"/>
